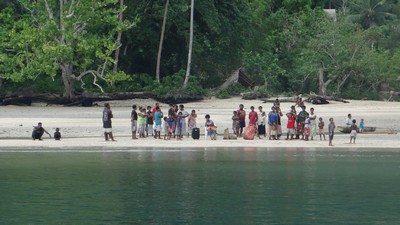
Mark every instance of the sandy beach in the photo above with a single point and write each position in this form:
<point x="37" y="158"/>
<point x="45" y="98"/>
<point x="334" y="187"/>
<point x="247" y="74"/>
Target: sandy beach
<point x="81" y="127"/>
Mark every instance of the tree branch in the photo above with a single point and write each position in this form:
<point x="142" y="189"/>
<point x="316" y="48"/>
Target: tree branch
<point x="48" y="9"/>
<point x="70" y="12"/>
<point x="79" y="29"/>
<point x="95" y="75"/>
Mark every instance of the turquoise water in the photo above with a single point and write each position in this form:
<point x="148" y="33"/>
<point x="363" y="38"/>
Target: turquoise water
<point x="201" y="186"/>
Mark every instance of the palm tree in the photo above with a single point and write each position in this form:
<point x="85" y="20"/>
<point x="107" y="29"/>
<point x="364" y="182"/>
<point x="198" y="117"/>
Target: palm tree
<point x="370" y="12"/>
<point x="185" y="83"/>
<point x="161" y="41"/>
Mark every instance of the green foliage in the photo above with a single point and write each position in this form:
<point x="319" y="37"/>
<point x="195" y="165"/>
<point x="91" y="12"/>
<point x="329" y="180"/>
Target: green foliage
<point x="279" y="43"/>
<point x="42" y="84"/>
<point x="44" y="39"/>
<point x="173" y="85"/>
<point x="232" y="90"/>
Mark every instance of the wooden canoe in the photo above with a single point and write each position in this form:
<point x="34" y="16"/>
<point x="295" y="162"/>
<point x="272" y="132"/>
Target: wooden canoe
<point x="347" y="130"/>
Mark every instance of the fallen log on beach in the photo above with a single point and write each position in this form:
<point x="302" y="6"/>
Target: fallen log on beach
<point x="85" y="99"/>
<point x="89" y="99"/>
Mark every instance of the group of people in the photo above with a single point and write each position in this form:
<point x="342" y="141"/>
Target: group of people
<point x="302" y="125"/>
<point x="351" y="124"/>
<point x="39" y="130"/>
<point x="149" y="120"/>
<point x="177" y="123"/>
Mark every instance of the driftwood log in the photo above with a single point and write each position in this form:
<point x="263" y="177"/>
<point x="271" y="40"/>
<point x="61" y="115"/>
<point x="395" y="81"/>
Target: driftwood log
<point x="88" y="99"/>
<point x="312" y="98"/>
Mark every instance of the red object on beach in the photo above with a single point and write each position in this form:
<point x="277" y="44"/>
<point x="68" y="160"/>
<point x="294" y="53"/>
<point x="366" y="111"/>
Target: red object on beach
<point x="249" y="132"/>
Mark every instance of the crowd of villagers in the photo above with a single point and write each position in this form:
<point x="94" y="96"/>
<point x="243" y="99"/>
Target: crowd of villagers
<point x="177" y="123"/>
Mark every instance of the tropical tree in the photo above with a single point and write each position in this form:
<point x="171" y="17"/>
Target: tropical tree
<point x="334" y="53"/>
<point x="74" y="38"/>
<point x="369" y="13"/>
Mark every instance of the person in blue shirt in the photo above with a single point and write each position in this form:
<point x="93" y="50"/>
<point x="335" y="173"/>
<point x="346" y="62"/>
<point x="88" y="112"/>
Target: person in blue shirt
<point x="157" y="122"/>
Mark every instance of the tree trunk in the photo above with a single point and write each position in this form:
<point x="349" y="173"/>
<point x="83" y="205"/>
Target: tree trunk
<point x="323" y="84"/>
<point x="66" y="73"/>
<point x="185" y="83"/>
<point x="342" y="82"/>
<point x="66" y="68"/>
<point x="322" y="87"/>
<point x="161" y="41"/>
<point x="121" y="18"/>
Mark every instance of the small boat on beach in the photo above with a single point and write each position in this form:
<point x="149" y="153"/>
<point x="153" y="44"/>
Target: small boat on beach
<point x="347" y="130"/>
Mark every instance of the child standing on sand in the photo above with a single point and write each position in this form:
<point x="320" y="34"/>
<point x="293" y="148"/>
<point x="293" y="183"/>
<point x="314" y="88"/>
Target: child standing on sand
<point x="361" y="125"/>
<point x="165" y="127"/>
<point x="307" y="128"/>
<point x="321" y="125"/>
<point x="290" y="125"/>
<point x="353" y="132"/>
<point x="331" y="130"/>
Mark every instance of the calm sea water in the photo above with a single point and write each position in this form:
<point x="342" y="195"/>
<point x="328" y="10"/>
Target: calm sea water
<point x="201" y="186"/>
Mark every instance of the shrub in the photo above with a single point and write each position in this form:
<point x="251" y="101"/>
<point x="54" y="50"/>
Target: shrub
<point x="232" y="90"/>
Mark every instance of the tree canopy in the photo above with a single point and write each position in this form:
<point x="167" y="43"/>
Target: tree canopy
<point x="292" y="46"/>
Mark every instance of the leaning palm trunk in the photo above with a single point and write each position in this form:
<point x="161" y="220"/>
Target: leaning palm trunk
<point x="161" y="41"/>
<point x="119" y="35"/>
<point x="185" y="83"/>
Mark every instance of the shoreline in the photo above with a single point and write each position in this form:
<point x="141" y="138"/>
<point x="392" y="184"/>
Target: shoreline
<point x="81" y="127"/>
<point x="125" y="143"/>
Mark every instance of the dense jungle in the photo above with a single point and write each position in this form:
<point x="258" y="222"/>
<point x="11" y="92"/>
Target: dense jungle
<point x="69" y="48"/>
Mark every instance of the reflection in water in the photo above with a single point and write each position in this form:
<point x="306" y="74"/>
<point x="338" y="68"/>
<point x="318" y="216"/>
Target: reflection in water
<point x="212" y="186"/>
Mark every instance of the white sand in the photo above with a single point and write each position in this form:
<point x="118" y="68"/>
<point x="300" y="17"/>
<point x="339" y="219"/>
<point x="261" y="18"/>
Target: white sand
<point x="81" y="127"/>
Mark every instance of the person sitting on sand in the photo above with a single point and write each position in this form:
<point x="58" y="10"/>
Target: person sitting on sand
<point x="57" y="134"/>
<point x="38" y="132"/>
